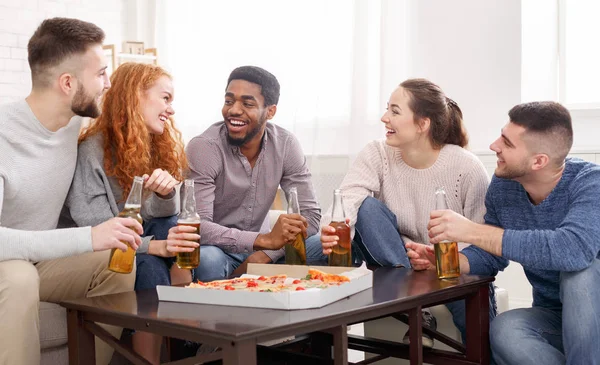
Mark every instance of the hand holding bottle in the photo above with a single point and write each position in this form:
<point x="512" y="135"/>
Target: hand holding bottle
<point x="182" y="238"/>
<point x="109" y="234"/>
<point x="329" y="238"/>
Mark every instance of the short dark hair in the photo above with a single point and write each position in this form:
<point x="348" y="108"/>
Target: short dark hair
<point x="57" y="39"/>
<point x="548" y="120"/>
<point x="269" y="86"/>
<point x="427" y="100"/>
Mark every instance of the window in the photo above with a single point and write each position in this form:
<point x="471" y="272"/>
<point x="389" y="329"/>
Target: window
<point x="579" y="54"/>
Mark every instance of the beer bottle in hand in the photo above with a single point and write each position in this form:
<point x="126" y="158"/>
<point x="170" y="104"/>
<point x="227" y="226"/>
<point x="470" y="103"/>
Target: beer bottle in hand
<point x="341" y="254"/>
<point x="446" y="252"/>
<point x="189" y="217"/>
<point x="295" y="252"/>
<point x="122" y="262"/>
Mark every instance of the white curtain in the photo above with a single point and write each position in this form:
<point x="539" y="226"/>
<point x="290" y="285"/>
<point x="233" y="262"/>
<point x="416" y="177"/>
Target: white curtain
<point x="336" y="60"/>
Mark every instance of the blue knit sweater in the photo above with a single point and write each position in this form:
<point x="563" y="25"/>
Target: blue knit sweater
<point x="562" y="233"/>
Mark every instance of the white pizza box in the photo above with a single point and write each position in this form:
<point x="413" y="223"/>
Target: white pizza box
<point x="360" y="279"/>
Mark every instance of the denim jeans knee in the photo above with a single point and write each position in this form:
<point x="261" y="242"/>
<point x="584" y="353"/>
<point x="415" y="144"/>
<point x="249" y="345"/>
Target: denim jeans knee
<point x="377" y="235"/>
<point x="159" y="227"/>
<point x="151" y="271"/>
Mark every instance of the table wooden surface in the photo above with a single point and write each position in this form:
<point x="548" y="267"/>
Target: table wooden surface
<point x="238" y="330"/>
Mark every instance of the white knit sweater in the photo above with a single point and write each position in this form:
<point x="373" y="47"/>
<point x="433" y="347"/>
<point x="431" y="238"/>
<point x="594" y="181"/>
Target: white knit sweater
<point x="410" y="193"/>
<point x="36" y="169"/>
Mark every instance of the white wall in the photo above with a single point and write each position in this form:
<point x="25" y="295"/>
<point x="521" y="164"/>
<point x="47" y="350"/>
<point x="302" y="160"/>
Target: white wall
<point x="20" y="18"/>
<point x="472" y="49"/>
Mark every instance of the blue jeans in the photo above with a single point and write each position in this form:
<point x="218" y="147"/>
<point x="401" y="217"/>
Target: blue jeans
<point x="378" y="242"/>
<point x="377" y="236"/>
<point x="458" y="310"/>
<point x="567" y="335"/>
<point x="154" y="270"/>
<point x="216" y="264"/>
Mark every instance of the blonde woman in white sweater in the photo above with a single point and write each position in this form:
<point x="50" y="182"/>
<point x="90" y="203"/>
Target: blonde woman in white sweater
<point x="389" y="190"/>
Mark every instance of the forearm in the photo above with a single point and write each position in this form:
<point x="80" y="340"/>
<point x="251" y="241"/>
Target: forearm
<point x="547" y="249"/>
<point x="476" y="261"/>
<point x="486" y="237"/>
<point x="228" y="239"/>
<point x="37" y="246"/>
<point x="158" y="206"/>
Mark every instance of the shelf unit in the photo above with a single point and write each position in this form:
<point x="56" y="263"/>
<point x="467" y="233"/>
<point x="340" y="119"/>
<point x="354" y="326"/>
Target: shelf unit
<point x="116" y="59"/>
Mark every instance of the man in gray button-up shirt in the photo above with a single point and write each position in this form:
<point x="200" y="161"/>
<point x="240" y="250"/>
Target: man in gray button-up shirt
<point x="238" y="165"/>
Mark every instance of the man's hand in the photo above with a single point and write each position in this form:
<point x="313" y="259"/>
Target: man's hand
<point x="258" y="257"/>
<point x="109" y="234"/>
<point x="329" y="239"/>
<point x="161" y="182"/>
<point x="182" y="239"/>
<point x="447" y="225"/>
<point x="284" y="231"/>
<point x="422" y="257"/>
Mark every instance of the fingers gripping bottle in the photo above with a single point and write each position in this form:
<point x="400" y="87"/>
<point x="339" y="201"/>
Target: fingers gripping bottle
<point x="295" y="252"/>
<point x="189" y="217"/>
<point x="446" y="252"/>
<point x="122" y="262"/>
<point x="341" y="254"/>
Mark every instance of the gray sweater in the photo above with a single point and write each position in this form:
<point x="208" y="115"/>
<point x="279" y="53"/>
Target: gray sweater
<point x="36" y="168"/>
<point x="95" y="197"/>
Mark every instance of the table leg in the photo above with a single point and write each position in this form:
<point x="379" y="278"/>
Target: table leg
<point x="82" y="350"/>
<point x="340" y="344"/>
<point x="416" y="336"/>
<point x="240" y="353"/>
<point x="478" y="326"/>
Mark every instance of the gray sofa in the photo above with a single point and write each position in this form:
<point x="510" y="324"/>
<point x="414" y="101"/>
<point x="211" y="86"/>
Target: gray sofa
<point x="53" y="334"/>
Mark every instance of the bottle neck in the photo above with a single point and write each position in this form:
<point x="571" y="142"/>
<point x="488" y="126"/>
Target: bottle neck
<point x="338" y="214"/>
<point x="135" y="194"/>
<point x="293" y="205"/>
<point x="189" y="202"/>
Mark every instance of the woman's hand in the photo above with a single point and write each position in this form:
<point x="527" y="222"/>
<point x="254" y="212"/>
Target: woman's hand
<point x="161" y="182"/>
<point x="329" y="239"/>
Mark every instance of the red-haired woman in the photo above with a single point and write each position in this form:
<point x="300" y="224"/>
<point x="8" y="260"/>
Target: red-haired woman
<point x="135" y="136"/>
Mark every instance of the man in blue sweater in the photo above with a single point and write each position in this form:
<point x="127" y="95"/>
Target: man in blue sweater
<point x="543" y="212"/>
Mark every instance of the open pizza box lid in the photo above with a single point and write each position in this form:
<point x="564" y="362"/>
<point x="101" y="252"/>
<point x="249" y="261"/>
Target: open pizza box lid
<point x="361" y="279"/>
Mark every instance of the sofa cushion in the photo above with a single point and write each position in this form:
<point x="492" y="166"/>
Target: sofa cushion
<point x="53" y="325"/>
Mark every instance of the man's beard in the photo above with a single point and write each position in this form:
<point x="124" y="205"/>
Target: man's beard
<point x="238" y="142"/>
<point x="84" y="105"/>
<point x="512" y="173"/>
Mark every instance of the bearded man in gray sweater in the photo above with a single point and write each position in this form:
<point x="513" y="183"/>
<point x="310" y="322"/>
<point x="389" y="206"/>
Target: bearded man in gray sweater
<point x="38" y="140"/>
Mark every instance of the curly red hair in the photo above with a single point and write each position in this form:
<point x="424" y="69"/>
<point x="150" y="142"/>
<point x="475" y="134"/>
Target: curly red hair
<point x="129" y="149"/>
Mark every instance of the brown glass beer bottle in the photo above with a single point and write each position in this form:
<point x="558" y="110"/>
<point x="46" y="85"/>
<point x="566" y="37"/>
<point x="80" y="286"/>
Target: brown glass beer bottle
<point x="341" y="254"/>
<point x="295" y="252"/>
<point x="122" y="262"/>
<point x="189" y="217"/>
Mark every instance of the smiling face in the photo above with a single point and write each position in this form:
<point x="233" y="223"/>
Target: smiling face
<point x="400" y="125"/>
<point x="156" y="105"/>
<point x="244" y="112"/>
<point x="514" y="158"/>
<point x="92" y="82"/>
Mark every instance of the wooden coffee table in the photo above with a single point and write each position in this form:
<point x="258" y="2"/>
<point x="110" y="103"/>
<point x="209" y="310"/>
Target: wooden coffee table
<point x="238" y="330"/>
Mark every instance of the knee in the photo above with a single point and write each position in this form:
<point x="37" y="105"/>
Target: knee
<point x="151" y="271"/>
<point x="314" y="251"/>
<point x="111" y="282"/>
<point x="580" y="281"/>
<point x="213" y="262"/>
<point x="504" y="330"/>
<point x="372" y="208"/>
<point x="159" y="227"/>
<point x="19" y="283"/>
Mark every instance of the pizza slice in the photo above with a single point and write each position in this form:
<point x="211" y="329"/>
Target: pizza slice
<point x="314" y="274"/>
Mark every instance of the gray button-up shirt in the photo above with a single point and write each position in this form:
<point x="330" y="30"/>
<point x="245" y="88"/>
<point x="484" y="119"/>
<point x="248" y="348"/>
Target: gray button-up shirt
<point x="233" y="199"/>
